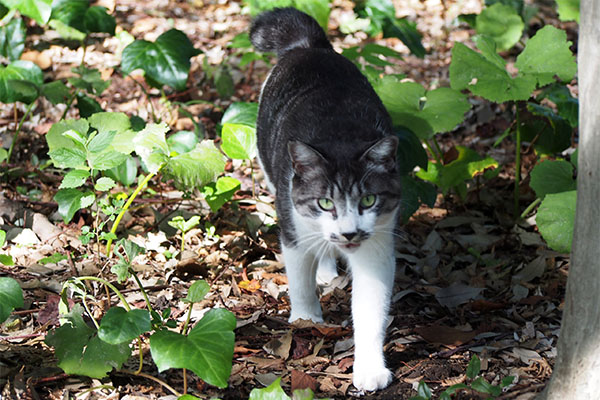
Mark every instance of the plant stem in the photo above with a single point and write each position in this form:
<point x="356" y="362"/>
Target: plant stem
<point x="154" y="118"/>
<point x="530" y="207"/>
<point x="517" y="162"/>
<point x="253" y="182"/>
<point x="152" y="378"/>
<point x="139" y="283"/>
<point x="87" y="309"/>
<point x="69" y="103"/>
<point x="110" y="285"/>
<point x="126" y="207"/>
<point x="16" y="135"/>
<point x="182" y="243"/>
<point x="433" y="152"/>
<point x="141" y="356"/>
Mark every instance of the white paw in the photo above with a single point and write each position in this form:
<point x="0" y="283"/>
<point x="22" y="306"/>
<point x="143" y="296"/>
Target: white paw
<point x="325" y="277"/>
<point x="314" y="314"/>
<point x="370" y="379"/>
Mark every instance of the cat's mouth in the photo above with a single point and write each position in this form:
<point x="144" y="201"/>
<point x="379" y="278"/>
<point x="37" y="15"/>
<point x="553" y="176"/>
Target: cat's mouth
<point x="350" y="245"/>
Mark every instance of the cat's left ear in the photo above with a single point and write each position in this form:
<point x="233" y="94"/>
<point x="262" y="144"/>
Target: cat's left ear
<point x="382" y="154"/>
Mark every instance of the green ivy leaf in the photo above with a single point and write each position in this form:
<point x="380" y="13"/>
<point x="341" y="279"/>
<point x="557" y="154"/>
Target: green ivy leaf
<point x="407" y="32"/>
<point x="271" y="392"/>
<point x="125" y="173"/>
<point x="104" y="184"/>
<point x="11" y="297"/>
<point x="547" y="54"/>
<point x="151" y="145"/>
<point x="196" y="168"/>
<point x="81" y="352"/>
<point x="12" y="39"/>
<point x="550" y="132"/>
<point x="121" y="326"/>
<point x="566" y="105"/>
<point x="39" y="10"/>
<point x="14" y="73"/>
<point x="197" y="291"/>
<point x="182" y="141"/>
<point x="70" y="201"/>
<point x="424" y="113"/>
<point x="96" y="19"/>
<point x="410" y="151"/>
<point x="218" y="193"/>
<point x="502" y="23"/>
<point x="207" y="350"/>
<point x="70" y="12"/>
<point x="241" y="113"/>
<point x="74" y="179"/>
<point x="239" y="141"/>
<point x="89" y="79"/>
<point x="555" y="220"/>
<point x="56" y="91"/>
<point x="414" y="193"/>
<point x="552" y="177"/>
<point x="165" y="61"/>
<point x="474" y="367"/>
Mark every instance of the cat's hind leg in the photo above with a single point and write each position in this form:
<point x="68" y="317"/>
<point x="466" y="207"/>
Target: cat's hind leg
<point x="301" y="268"/>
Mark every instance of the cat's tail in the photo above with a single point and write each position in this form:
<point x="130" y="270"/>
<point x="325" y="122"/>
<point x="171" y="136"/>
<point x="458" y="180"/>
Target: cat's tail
<point x="283" y="29"/>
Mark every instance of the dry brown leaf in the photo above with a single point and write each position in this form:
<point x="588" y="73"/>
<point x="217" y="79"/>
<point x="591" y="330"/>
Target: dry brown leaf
<point x="445" y="335"/>
<point x="301" y="380"/>
<point x="251" y="286"/>
<point x="280" y="347"/>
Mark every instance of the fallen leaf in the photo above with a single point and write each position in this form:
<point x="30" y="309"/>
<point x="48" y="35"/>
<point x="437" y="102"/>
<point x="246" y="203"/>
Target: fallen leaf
<point x="445" y="335"/>
<point x="280" y="347"/>
<point x="457" y="294"/>
<point x="251" y="286"/>
<point x="301" y="380"/>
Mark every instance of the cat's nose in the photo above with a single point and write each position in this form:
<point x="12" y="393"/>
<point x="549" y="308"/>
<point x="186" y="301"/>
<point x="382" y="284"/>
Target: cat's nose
<point x="349" y="235"/>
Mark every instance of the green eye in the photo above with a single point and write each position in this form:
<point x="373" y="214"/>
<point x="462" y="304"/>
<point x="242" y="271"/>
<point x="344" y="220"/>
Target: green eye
<point x="325" y="204"/>
<point x="367" y="201"/>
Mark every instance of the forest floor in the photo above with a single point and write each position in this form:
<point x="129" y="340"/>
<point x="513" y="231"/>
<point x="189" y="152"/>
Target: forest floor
<point x="469" y="280"/>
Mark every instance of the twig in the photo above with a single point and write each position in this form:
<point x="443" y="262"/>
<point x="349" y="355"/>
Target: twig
<point x="152" y="378"/>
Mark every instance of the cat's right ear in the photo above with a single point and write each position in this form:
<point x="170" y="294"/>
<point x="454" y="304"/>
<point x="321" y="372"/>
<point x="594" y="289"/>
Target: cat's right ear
<point x="305" y="159"/>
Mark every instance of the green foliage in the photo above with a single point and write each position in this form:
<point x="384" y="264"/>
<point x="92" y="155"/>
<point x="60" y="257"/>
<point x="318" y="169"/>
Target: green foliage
<point x="182" y="141"/>
<point x="121" y="326"/>
<point x="275" y="392"/>
<point x="382" y="17"/>
<point x="552" y="177"/>
<point x="241" y="113"/>
<point x="239" y="141"/>
<point x="80" y="351"/>
<point x="545" y="55"/>
<point x="39" y="10"/>
<point x="568" y="10"/>
<point x="165" y="61"/>
<point x="12" y="39"/>
<point x="207" y="350"/>
<point x="425" y="113"/>
<point x="184" y="226"/>
<point x="5" y="259"/>
<point x="555" y="219"/>
<point x="218" y="193"/>
<point x="465" y="166"/>
<point x="196" y="168"/>
<point x="478" y="384"/>
<point x="318" y="9"/>
<point x="197" y="292"/>
<point x="502" y="23"/>
<point x="19" y="81"/>
<point x="11" y="296"/>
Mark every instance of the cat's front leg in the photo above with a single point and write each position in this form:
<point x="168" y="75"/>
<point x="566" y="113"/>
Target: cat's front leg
<point x="372" y="284"/>
<point x="300" y="267"/>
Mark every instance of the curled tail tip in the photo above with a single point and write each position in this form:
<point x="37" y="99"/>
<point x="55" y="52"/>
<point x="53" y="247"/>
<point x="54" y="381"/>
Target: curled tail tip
<point x="283" y="29"/>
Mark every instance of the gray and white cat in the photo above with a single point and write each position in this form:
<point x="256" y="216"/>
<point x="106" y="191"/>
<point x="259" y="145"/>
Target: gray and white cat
<point x="326" y="145"/>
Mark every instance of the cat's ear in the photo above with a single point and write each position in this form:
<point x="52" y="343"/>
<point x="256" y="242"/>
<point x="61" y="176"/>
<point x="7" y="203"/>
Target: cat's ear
<point x="382" y="154"/>
<point x="305" y="159"/>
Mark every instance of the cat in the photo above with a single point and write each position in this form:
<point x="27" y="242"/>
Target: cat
<point x="327" y="148"/>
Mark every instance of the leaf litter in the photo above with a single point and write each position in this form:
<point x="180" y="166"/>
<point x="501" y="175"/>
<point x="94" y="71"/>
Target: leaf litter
<point x="466" y="283"/>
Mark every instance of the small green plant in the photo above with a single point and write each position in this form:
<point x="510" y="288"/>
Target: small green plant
<point x="11" y="297"/>
<point x="206" y="349"/>
<point x="5" y="259"/>
<point x="275" y="392"/>
<point x="476" y="383"/>
<point x="184" y="226"/>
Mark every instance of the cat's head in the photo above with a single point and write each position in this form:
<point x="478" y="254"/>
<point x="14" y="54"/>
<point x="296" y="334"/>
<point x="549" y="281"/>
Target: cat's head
<point x="347" y="198"/>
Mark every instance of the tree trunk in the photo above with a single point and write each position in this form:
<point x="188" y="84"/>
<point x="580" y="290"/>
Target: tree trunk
<point x="577" y="369"/>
